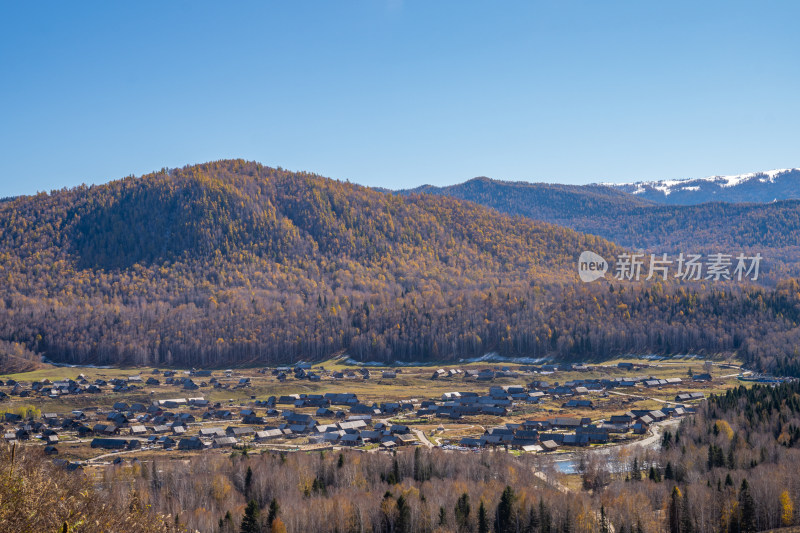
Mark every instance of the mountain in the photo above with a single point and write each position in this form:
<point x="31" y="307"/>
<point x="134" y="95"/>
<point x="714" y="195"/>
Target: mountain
<point x="635" y="222"/>
<point x="769" y="186"/>
<point x="558" y="204"/>
<point x="235" y="209"/>
<point x="231" y="262"/>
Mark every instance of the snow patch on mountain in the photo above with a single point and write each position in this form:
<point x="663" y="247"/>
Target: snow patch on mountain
<point x="667" y="187"/>
<point x="733" y="181"/>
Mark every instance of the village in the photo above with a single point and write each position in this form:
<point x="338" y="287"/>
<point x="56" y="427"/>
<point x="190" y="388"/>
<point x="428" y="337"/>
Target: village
<point x="517" y="408"/>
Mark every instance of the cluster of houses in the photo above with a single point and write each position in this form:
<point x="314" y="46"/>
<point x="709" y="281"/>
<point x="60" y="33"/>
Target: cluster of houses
<point x="548" y="435"/>
<point x="357" y="432"/>
<point x="186" y="380"/>
<point x="583" y="386"/>
<point x="501" y="399"/>
<point x="191" y="423"/>
<point x="454" y="405"/>
<point x="484" y="374"/>
<point x="197" y="379"/>
<point x="303" y="371"/>
<point x="167" y="424"/>
<point x="488" y="374"/>
<point x="55" y="389"/>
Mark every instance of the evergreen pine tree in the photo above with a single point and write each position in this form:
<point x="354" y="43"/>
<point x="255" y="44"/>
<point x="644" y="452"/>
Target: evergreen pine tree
<point x="396" y="470"/>
<point x="747" y="509"/>
<point x="483" y="519"/>
<point x="403" y="524"/>
<point x="226" y="524"/>
<point x="673" y="513"/>
<point x="668" y="474"/>
<point x="250" y="522"/>
<point x="274" y="508"/>
<point x="462" y="512"/>
<point x="686" y="513"/>
<point x="533" y="521"/>
<point x="504" y="520"/>
<point x="248" y="482"/>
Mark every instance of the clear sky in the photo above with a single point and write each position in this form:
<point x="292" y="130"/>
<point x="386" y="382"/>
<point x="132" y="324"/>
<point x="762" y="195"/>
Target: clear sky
<point x="399" y="93"/>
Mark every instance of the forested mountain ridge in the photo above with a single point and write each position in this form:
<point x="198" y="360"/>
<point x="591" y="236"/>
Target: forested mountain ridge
<point x="549" y="202"/>
<point x="634" y="222"/>
<point x="198" y="263"/>
<point x="235" y="263"/>
<point x="233" y="207"/>
<point x="767" y="186"/>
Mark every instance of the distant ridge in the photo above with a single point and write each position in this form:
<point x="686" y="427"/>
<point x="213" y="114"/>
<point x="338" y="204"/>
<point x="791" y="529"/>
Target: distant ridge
<point x="639" y="221"/>
<point x="765" y="186"/>
<point x="550" y="202"/>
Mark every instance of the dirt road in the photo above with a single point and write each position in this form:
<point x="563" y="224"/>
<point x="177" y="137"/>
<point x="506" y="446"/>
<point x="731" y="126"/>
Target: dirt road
<point x="422" y="438"/>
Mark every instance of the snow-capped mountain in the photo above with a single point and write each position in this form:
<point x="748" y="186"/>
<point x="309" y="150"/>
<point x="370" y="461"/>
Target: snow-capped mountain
<point x="768" y="186"/>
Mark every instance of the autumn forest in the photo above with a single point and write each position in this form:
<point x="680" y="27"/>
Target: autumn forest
<point x="234" y="263"/>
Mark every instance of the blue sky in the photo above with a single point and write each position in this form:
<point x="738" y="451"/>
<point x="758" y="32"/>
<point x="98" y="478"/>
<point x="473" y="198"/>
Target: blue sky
<point x="398" y="93"/>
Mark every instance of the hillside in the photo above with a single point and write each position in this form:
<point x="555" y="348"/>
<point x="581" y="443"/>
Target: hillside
<point x="763" y="187"/>
<point x="14" y="357"/>
<point x="234" y="208"/>
<point x="633" y="222"/>
<point x="200" y="263"/>
<point x="235" y="263"/>
<point x="555" y="203"/>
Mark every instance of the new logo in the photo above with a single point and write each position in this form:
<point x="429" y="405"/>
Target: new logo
<point x="591" y="266"/>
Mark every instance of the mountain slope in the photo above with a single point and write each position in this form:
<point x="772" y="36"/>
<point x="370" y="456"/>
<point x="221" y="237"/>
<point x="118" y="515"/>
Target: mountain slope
<point x="558" y="204"/>
<point x="235" y="263"/>
<point x="239" y="208"/>
<point x="630" y="221"/>
<point x="769" y="186"/>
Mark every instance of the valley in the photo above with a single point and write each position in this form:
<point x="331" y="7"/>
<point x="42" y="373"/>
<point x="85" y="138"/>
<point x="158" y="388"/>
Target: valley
<point x="399" y="267"/>
<point x="351" y="360"/>
<point x="570" y="427"/>
<point x="156" y="412"/>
